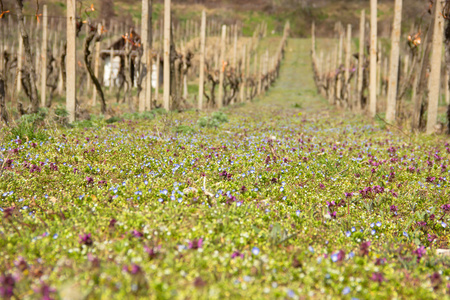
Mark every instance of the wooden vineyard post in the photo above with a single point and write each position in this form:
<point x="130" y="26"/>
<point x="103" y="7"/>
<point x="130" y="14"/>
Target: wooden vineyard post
<point x="379" y="69"/>
<point x="96" y="63"/>
<point x="167" y="25"/>
<point x="243" y="70"/>
<point x="19" y="64"/>
<point x="348" y="52"/>
<point x="447" y="90"/>
<point x="158" y="66"/>
<point x="434" y="81"/>
<point x="222" y="66"/>
<point x="373" y="59"/>
<point x="71" y="60"/>
<point x="201" y="84"/>
<point x="235" y="49"/>
<point x="362" y="27"/>
<point x="148" y="105"/>
<point x="44" y="57"/>
<point x="394" y="63"/>
<point x="339" y="64"/>
<point x="145" y="56"/>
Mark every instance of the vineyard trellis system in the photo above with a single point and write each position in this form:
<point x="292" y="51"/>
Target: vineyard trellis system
<point x="377" y="80"/>
<point x="45" y="60"/>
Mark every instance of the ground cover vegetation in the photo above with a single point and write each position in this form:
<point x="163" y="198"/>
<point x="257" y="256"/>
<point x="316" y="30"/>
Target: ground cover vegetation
<point x="285" y="197"/>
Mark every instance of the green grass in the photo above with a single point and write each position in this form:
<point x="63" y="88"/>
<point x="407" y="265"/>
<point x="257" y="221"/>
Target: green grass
<point x="265" y="192"/>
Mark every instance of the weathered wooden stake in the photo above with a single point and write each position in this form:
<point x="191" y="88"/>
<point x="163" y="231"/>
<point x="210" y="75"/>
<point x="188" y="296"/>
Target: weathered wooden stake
<point x="167" y="24"/>
<point x="71" y="60"/>
<point x="222" y="65"/>
<point x="44" y="57"/>
<point x="145" y="56"/>
<point x="434" y="81"/>
<point x="19" y="63"/>
<point x="373" y="59"/>
<point x="394" y="63"/>
<point x="243" y="77"/>
<point x="201" y="85"/>
<point x="348" y="52"/>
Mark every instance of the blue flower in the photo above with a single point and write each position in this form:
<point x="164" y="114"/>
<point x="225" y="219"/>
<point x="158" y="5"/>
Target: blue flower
<point x="373" y="231"/>
<point x="298" y="213"/>
<point x="346" y="290"/>
<point x="378" y="224"/>
<point x="348" y="233"/>
<point x="311" y="249"/>
<point x="405" y="234"/>
<point x="255" y="250"/>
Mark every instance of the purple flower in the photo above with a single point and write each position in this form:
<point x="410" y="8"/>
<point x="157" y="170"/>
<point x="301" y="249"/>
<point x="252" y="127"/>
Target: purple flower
<point x="89" y="180"/>
<point x="112" y="223"/>
<point x="377" y="277"/>
<point x="94" y="260"/>
<point x="21" y="264"/>
<point x="364" y="248"/>
<point x="7" y="283"/>
<point x="446" y="207"/>
<point x="196" y="244"/>
<point x="380" y="261"/>
<point x="420" y="252"/>
<point x="243" y="189"/>
<point x="341" y="255"/>
<point x="436" y="280"/>
<point x="53" y="167"/>
<point x="152" y="251"/>
<point x="133" y="269"/>
<point x="421" y="223"/>
<point x="136" y="233"/>
<point x="237" y="254"/>
<point x="85" y="239"/>
<point x="394" y="208"/>
<point x="348" y="195"/>
<point x="332" y="214"/>
<point x="45" y="291"/>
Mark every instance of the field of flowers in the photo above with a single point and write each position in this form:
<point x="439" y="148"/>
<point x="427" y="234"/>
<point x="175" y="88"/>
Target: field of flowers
<point x="281" y="198"/>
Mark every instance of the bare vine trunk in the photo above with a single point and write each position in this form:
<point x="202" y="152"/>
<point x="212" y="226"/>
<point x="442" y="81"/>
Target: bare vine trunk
<point x="88" y="64"/>
<point x="31" y="73"/>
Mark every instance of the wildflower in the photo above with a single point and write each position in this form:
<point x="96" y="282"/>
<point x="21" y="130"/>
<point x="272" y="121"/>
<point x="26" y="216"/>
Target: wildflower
<point x="93" y="260"/>
<point x="377" y="277"/>
<point x="346" y="291"/>
<point x="436" y="280"/>
<point x="134" y="269"/>
<point x="196" y="244"/>
<point x="112" y="223"/>
<point x="136" y="233"/>
<point x="348" y="195"/>
<point x="21" y="264"/>
<point x="421" y="223"/>
<point x="255" y="250"/>
<point x="364" y="248"/>
<point x="393" y="208"/>
<point x="85" y="239"/>
<point x="45" y="291"/>
<point x="420" y="252"/>
<point x="199" y="282"/>
<point x="237" y="254"/>
<point x="89" y="180"/>
<point x="380" y="261"/>
<point x="7" y="284"/>
<point x="152" y="251"/>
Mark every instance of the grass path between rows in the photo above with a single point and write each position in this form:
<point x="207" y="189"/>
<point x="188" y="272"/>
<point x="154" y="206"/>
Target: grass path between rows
<point x="282" y="198"/>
